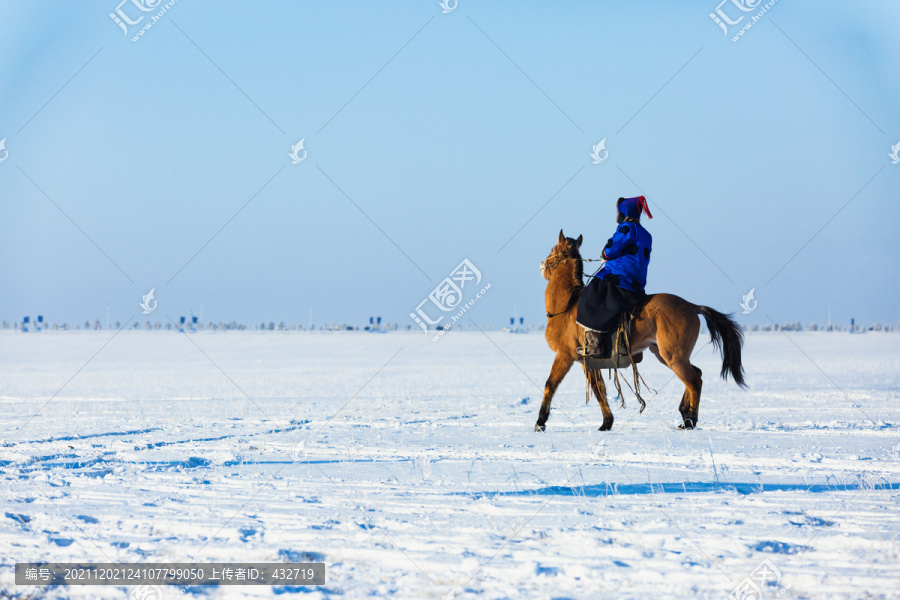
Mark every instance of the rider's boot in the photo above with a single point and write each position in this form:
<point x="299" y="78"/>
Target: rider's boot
<point x="596" y="344"/>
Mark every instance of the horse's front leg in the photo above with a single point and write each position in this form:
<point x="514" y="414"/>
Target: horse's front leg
<point x="561" y="366"/>
<point x="595" y="378"/>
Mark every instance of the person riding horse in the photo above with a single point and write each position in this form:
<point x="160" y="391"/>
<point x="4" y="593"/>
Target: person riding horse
<point x="619" y="285"/>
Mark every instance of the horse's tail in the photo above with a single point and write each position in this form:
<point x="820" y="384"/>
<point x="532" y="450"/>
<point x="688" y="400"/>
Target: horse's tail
<point x="728" y="337"/>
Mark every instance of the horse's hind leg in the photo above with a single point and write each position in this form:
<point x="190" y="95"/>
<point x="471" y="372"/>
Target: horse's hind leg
<point x="561" y="366"/>
<point x="692" y="377"/>
<point x="598" y="386"/>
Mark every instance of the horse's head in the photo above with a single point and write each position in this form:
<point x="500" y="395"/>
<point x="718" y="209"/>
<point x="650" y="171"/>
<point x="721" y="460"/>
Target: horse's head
<point x="566" y="249"/>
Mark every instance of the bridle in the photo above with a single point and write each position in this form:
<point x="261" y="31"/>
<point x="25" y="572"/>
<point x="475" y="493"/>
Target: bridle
<point x="559" y="259"/>
<point x="562" y="258"/>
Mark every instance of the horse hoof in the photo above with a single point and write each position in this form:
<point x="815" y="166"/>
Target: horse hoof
<point x="540" y="428"/>
<point x="607" y="425"/>
<point x="687" y="425"/>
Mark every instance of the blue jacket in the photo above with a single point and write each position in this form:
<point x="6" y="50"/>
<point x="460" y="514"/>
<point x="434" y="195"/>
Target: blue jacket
<point x="627" y="255"/>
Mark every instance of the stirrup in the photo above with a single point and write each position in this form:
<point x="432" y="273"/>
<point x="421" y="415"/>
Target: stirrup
<point x="600" y="355"/>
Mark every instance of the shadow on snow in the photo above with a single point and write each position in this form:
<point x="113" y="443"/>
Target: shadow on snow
<point x="693" y="487"/>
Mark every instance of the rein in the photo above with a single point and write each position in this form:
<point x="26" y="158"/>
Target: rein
<point x="562" y="258"/>
<point x="572" y="300"/>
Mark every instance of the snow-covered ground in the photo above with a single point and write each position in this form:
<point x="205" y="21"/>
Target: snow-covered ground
<point x="411" y="468"/>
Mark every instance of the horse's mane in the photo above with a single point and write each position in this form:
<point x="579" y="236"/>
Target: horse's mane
<point x="579" y="264"/>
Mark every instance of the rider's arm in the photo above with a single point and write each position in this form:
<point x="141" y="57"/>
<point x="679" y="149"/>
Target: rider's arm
<point x="617" y="244"/>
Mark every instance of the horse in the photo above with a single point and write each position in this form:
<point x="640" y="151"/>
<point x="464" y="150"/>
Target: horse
<point x="665" y="324"/>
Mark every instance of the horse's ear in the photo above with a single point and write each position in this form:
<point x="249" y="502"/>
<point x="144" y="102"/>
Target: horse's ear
<point x="562" y="238"/>
<point x="578" y="241"/>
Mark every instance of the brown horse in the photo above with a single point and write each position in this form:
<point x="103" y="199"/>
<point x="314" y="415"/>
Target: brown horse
<point x="664" y="323"/>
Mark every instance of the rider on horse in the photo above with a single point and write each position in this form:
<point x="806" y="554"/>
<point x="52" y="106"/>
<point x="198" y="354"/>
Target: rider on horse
<point x="619" y="285"/>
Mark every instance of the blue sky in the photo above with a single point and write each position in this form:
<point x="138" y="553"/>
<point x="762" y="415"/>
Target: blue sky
<point x="433" y="138"/>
